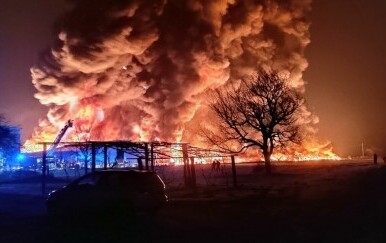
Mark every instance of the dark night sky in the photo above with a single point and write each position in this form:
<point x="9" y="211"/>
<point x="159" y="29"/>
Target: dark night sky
<point x="346" y="75"/>
<point x="25" y="29"/>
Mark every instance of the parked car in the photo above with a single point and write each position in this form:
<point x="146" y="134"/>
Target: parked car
<point x="132" y="190"/>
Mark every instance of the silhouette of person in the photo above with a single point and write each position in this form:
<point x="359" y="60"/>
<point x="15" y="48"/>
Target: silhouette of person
<point x="218" y="164"/>
<point x="214" y="165"/>
<point x="375" y="159"/>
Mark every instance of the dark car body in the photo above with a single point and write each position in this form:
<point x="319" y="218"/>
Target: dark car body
<point x="136" y="191"/>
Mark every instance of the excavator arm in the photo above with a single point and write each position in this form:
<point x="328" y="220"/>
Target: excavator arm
<point x="58" y="138"/>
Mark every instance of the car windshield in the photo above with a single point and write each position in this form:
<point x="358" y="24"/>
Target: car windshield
<point x="130" y="181"/>
<point x="91" y="179"/>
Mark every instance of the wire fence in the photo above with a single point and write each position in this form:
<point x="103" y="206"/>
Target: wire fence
<point x="217" y="172"/>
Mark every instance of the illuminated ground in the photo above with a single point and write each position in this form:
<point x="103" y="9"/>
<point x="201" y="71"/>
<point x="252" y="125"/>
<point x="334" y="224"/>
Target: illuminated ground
<point x="313" y="201"/>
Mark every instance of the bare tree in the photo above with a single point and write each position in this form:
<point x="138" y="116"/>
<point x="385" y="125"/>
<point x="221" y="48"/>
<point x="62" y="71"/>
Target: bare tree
<point x="259" y="113"/>
<point x="9" y="140"/>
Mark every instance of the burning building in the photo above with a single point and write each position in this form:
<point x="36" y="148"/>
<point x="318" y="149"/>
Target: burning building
<point x="141" y="70"/>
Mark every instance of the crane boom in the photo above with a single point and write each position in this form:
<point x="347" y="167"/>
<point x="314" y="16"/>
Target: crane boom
<point x="58" y="138"/>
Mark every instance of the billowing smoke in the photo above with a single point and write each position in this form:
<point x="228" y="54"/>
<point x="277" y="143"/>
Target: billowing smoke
<point x="148" y="64"/>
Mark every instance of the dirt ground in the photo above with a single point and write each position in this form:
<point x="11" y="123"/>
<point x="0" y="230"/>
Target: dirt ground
<point x="325" y="201"/>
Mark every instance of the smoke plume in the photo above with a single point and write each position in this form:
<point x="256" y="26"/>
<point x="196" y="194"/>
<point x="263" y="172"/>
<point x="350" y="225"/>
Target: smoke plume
<point x="148" y="64"/>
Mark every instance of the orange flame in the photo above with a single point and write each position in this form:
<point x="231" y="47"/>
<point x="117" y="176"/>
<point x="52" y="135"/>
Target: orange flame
<point x="308" y="151"/>
<point x="85" y="119"/>
<point x="85" y="115"/>
<point x="88" y="115"/>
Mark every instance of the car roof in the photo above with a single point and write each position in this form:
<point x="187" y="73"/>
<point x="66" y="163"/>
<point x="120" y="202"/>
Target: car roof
<point x="117" y="171"/>
<point x="123" y="171"/>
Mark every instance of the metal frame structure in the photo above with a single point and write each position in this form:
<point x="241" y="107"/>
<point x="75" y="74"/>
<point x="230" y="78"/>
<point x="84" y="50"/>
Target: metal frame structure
<point x="147" y="152"/>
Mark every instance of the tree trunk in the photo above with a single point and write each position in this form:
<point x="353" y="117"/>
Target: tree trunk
<point x="267" y="162"/>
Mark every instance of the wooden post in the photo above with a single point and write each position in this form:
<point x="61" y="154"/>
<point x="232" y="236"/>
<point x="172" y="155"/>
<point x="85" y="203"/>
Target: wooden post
<point x="85" y="159"/>
<point x="93" y="155"/>
<point x="185" y="173"/>
<point x="140" y="165"/>
<point x="105" y="157"/>
<point x="187" y="170"/>
<point x="48" y="163"/>
<point x="234" y="171"/>
<point x="44" y="169"/>
<point x="193" y="173"/>
<point x="147" y="156"/>
<point x="152" y="156"/>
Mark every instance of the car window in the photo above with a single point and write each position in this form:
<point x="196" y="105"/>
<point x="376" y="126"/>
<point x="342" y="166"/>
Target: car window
<point x="110" y="180"/>
<point x="148" y="182"/>
<point x="151" y="181"/>
<point x="91" y="179"/>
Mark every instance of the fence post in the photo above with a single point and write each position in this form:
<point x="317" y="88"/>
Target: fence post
<point x="146" y="156"/>
<point x="187" y="170"/>
<point x="152" y="157"/>
<point x="140" y="165"/>
<point x="86" y="153"/>
<point x="93" y="155"/>
<point x="234" y="171"/>
<point x="44" y="168"/>
<point x="193" y="173"/>
<point x="105" y="157"/>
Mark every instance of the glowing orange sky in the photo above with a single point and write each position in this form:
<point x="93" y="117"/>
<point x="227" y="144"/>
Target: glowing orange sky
<point x="346" y="75"/>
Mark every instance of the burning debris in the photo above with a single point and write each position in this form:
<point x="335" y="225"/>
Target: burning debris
<point x="141" y="70"/>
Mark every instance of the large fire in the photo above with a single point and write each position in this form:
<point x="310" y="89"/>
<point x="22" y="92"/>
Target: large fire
<point x="308" y="151"/>
<point x="141" y="70"/>
<point x="87" y="117"/>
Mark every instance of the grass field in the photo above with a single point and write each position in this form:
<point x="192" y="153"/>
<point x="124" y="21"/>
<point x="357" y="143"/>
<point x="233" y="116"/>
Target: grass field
<point x="326" y="201"/>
